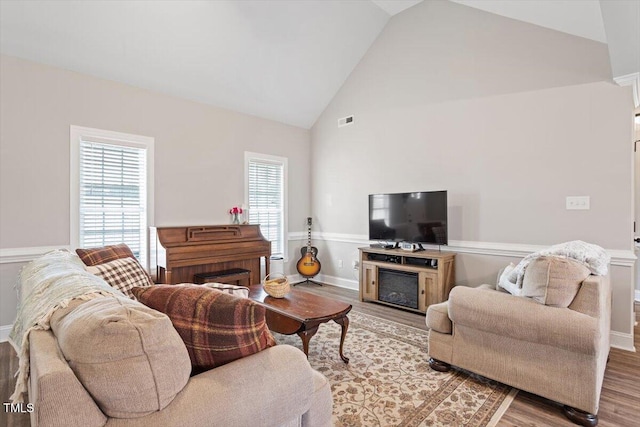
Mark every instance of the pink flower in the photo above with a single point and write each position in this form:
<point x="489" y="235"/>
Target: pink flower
<point x="235" y="210"/>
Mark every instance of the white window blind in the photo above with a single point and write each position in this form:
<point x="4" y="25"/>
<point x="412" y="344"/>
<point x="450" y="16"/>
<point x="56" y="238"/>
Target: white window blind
<point x="266" y="200"/>
<point x="113" y="196"/>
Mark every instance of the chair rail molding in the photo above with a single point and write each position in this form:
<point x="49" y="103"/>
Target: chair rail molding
<point x="16" y="255"/>
<point x="619" y="257"/>
<point x="296" y="235"/>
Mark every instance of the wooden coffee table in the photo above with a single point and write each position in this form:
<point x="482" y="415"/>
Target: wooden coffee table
<point x="302" y="313"/>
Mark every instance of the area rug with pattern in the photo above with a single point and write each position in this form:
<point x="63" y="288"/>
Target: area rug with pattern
<point x="388" y="381"/>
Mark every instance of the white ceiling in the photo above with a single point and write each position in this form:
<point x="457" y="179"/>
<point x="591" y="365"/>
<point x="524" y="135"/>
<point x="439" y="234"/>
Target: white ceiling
<point x="277" y="59"/>
<point x="393" y="7"/>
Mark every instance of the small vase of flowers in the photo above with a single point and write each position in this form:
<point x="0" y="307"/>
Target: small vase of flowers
<point x="235" y="212"/>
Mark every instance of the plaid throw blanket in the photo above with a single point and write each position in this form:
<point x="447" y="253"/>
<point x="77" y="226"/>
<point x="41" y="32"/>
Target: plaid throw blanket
<point x="216" y="327"/>
<point x="45" y="285"/>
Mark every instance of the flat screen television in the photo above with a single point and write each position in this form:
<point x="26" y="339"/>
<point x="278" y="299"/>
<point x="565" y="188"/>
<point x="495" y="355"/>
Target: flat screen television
<point x="409" y="217"/>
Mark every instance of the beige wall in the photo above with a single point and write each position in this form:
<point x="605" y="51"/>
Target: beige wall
<point x="508" y="117"/>
<point x="199" y="154"/>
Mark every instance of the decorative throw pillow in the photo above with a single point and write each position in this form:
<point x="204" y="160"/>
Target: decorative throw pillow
<point x="104" y="254"/>
<point x="216" y="327"/>
<point x="125" y="354"/>
<point x="123" y="274"/>
<point x="553" y="281"/>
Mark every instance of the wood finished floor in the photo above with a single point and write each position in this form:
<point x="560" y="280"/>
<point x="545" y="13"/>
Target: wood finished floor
<point x="619" y="402"/>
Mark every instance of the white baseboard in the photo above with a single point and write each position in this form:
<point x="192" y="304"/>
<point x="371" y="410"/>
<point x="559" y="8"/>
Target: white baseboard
<point x="295" y="278"/>
<point x="338" y="282"/>
<point x="329" y="280"/>
<point x="4" y="332"/>
<point x="622" y="341"/>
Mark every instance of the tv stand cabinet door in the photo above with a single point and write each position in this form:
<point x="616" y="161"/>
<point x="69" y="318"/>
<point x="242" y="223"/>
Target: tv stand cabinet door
<point x="428" y="289"/>
<point x="369" y="282"/>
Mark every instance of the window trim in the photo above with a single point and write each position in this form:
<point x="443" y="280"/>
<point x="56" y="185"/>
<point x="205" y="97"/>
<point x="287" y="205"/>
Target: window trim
<point x="248" y="156"/>
<point x="76" y="134"/>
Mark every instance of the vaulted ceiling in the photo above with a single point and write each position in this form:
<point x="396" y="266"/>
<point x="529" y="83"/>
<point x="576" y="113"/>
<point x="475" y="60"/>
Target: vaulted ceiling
<point x="281" y="60"/>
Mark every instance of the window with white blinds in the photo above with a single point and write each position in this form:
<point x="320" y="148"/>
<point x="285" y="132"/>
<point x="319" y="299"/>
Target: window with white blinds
<point x="266" y="197"/>
<point x="112" y="192"/>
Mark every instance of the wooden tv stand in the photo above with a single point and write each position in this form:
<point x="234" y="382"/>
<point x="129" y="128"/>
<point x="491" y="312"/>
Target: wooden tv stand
<point x="432" y="283"/>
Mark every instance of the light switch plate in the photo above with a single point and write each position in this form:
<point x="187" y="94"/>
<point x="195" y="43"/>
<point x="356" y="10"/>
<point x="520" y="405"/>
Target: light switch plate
<point x="578" y="203"/>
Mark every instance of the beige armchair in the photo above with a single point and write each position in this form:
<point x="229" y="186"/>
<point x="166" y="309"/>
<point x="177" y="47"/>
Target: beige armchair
<point x="558" y="353"/>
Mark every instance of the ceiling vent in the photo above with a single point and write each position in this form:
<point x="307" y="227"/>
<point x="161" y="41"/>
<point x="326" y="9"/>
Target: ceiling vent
<point x="345" y="121"/>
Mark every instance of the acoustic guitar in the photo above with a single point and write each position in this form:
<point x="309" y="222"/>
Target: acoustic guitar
<point x="308" y="265"/>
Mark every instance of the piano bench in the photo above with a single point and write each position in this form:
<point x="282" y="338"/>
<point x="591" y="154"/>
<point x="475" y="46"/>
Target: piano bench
<point x="233" y="276"/>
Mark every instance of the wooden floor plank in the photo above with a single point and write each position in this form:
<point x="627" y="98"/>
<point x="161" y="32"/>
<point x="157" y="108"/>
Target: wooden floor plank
<point x="8" y="367"/>
<point x="619" y="402"/>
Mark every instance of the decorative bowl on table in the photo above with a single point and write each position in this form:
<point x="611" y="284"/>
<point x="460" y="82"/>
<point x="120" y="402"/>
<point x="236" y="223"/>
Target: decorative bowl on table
<point x="276" y="285"/>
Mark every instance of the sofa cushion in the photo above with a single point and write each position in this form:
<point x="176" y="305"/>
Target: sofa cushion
<point x="553" y="281"/>
<point x="216" y="327"/>
<point x="127" y="356"/>
<point x="123" y="274"/>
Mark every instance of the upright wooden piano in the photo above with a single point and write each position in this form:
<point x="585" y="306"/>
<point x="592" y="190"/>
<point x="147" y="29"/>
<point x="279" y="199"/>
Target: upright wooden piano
<point x="178" y="253"/>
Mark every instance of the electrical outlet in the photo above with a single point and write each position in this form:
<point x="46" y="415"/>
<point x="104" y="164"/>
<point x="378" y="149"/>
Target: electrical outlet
<point x="339" y="263"/>
<point x="355" y="264"/>
<point x="578" y="203"/>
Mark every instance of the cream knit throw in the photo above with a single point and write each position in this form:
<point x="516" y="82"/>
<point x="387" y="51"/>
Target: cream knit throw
<point x="45" y="285"/>
<point x="592" y="256"/>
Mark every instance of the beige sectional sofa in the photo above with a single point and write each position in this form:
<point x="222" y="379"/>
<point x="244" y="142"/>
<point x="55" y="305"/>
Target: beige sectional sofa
<point x="139" y="374"/>
<point x="559" y="353"/>
<point x="275" y="387"/>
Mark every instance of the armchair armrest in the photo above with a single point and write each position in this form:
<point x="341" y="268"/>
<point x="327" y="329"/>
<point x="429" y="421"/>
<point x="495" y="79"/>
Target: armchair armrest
<point x="594" y="297"/>
<point x="523" y="319"/>
<point x="438" y="319"/>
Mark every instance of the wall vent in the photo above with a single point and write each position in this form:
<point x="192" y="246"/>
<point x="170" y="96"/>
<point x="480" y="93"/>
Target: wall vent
<point x="345" y="121"/>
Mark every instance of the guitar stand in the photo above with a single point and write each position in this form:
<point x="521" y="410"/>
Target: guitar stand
<point x="308" y="281"/>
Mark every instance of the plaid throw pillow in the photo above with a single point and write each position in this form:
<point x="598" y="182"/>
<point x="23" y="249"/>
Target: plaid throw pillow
<point x="104" y="254"/>
<point x="216" y="327"/>
<point x="95" y="256"/>
<point x="123" y="274"/>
